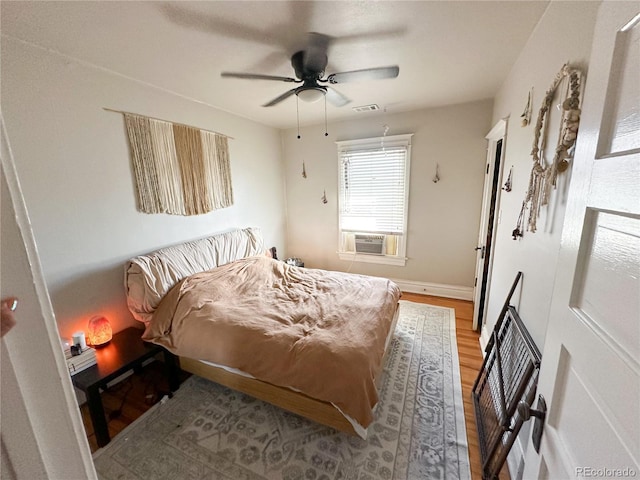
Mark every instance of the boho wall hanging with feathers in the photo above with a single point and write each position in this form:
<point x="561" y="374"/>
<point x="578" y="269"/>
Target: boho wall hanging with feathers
<point x="544" y="175"/>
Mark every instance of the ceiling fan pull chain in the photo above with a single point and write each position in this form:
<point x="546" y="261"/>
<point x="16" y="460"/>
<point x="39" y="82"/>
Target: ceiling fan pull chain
<point x="326" y="134"/>
<point x="298" y="116"/>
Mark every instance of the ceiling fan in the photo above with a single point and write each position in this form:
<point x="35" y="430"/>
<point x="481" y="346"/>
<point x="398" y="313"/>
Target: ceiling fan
<point x="309" y="65"/>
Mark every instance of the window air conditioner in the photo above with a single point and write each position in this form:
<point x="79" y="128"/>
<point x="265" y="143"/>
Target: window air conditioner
<point x="372" y="244"/>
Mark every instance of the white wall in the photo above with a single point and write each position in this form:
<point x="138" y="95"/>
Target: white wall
<point x="563" y="34"/>
<point x="72" y="158"/>
<point x="443" y="217"/>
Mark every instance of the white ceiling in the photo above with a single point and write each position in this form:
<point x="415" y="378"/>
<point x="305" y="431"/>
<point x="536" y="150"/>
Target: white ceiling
<point x="448" y="51"/>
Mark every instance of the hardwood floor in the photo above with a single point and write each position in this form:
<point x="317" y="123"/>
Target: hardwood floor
<point x="129" y="399"/>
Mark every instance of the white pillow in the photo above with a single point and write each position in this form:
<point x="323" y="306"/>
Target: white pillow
<point x="149" y="277"/>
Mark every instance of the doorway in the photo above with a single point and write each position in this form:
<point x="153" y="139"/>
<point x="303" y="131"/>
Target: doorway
<point x="484" y="248"/>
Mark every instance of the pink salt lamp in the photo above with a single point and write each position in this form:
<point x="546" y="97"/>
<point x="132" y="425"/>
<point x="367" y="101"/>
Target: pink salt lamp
<point x="99" y="331"/>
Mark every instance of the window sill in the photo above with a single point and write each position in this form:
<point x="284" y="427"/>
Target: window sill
<point x="368" y="258"/>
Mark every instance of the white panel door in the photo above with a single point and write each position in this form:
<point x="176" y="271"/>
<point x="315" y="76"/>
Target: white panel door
<point x="590" y="374"/>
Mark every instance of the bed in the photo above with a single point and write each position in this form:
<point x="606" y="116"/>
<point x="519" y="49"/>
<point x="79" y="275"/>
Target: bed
<point x="310" y="341"/>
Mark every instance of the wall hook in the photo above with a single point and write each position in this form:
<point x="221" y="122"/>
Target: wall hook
<point x="436" y="177"/>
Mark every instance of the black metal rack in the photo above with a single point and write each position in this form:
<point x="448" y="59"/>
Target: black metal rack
<point x="508" y="378"/>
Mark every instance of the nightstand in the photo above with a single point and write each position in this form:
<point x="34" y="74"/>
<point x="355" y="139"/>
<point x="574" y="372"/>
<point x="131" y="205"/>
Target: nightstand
<point x="126" y="351"/>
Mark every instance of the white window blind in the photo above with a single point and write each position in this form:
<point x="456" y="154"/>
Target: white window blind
<point x="373" y="185"/>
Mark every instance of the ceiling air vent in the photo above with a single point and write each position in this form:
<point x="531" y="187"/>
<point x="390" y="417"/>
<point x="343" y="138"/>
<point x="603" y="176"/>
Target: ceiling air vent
<point x="366" y="108"/>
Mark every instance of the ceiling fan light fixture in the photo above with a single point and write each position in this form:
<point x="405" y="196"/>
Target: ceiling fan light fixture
<point x="311" y="95"/>
<point x="309" y="66"/>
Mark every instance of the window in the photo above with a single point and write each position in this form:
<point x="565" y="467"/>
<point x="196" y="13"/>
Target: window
<point x="373" y="199"/>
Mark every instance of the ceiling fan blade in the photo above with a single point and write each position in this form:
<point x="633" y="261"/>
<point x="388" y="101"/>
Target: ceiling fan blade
<point x="366" y="74"/>
<point x="282" y="97"/>
<point x="256" y="76"/>
<point x="315" y="54"/>
<point x="336" y="98"/>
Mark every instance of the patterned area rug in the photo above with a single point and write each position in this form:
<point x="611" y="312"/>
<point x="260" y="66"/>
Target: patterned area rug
<point x="211" y="432"/>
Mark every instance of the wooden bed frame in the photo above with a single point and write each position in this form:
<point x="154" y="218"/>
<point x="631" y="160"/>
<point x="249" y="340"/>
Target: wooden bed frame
<point x="285" y="398"/>
<point x="296" y="402"/>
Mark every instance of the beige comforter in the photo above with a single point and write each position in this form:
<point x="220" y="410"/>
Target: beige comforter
<point x="322" y="333"/>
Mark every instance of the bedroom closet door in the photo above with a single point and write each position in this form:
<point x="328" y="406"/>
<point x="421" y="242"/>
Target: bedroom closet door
<point x="590" y="372"/>
<point x="490" y="200"/>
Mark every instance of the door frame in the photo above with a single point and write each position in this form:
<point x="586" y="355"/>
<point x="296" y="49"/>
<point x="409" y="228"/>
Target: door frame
<point x="42" y="430"/>
<point x="482" y="282"/>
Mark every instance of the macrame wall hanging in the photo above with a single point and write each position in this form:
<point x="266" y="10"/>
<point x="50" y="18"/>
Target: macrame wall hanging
<point x="544" y="175"/>
<point x="178" y="169"/>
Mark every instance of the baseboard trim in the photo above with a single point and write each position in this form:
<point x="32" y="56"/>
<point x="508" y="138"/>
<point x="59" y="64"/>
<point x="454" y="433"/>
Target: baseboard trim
<point x="435" y="289"/>
<point x="484" y="339"/>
